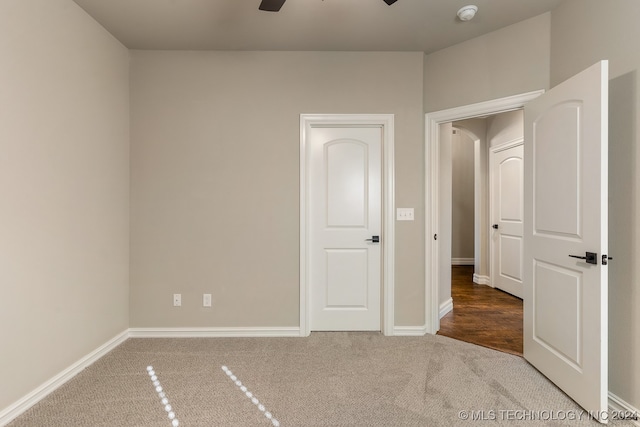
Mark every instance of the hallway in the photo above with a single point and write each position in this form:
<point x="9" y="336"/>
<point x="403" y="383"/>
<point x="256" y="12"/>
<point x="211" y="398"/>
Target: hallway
<point x="483" y="315"/>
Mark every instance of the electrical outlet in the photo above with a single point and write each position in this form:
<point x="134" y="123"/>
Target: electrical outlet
<point x="177" y="300"/>
<point x="206" y="300"/>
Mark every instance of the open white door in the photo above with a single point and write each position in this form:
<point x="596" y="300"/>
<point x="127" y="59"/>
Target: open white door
<point x="565" y="180"/>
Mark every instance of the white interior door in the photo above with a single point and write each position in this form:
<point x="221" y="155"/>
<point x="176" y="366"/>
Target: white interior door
<point x="565" y="301"/>
<point x="345" y="203"/>
<point x="507" y="211"/>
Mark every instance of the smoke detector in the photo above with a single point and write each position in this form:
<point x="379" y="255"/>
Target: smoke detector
<point x="467" y="13"/>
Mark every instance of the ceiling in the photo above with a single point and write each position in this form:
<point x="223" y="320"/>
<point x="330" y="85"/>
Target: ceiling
<point x="304" y="25"/>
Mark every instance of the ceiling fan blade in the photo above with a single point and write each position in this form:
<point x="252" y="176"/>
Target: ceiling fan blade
<point x="390" y="2"/>
<point x="272" y="5"/>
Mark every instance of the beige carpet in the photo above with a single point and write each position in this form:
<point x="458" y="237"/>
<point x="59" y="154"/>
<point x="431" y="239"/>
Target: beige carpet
<point x="328" y="379"/>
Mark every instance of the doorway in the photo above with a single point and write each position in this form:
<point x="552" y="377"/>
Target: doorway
<point x="571" y="119"/>
<point x="478" y="186"/>
<point x="379" y="128"/>
<point x="433" y="129"/>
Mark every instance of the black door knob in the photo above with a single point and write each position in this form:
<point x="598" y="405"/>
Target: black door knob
<point x="495" y="226"/>
<point x="590" y="257"/>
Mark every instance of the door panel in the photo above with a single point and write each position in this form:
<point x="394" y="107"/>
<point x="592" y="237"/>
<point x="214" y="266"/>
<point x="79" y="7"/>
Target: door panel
<point x="347" y="183"/>
<point x="511" y="257"/>
<point x="510" y="200"/>
<point x="507" y="213"/>
<point x="346" y="278"/>
<point x="345" y="203"/>
<point x="561" y="122"/>
<point x="558" y="289"/>
<point x="565" y="304"/>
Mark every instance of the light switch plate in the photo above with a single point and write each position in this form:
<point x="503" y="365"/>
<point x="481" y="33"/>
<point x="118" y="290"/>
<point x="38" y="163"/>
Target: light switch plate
<point x="404" y="214"/>
<point x="206" y="300"/>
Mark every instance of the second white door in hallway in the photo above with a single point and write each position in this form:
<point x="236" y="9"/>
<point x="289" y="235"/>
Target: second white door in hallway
<point x="506" y="165"/>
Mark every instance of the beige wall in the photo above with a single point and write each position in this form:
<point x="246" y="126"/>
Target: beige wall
<point x="477" y="129"/>
<point x="582" y="33"/>
<point x="215" y="178"/>
<point x="445" y="203"/>
<point x="504" y="128"/>
<point x="506" y="62"/>
<point x="462" y="185"/>
<point x="64" y="181"/>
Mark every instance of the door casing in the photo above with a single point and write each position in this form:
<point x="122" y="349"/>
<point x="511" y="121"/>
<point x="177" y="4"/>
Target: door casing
<point x="386" y="123"/>
<point x="432" y="181"/>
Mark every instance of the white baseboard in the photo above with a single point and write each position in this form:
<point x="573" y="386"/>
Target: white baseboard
<point x="293" y="331"/>
<point x="409" y="331"/>
<point x="481" y="280"/>
<point x="462" y="261"/>
<point x="446" y="307"/>
<point x="17" y="408"/>
<point x="620" y="406"/>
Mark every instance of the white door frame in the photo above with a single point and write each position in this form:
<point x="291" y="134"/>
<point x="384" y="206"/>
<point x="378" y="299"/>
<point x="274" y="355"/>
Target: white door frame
<point x="432" y="181"/>
<point x="385" y="122"/>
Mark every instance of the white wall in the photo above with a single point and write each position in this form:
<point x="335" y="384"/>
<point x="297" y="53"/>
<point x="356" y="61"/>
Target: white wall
<point x="215" y="178"/>
<point x="582" y="33"/>
<point x="64" y="180"/>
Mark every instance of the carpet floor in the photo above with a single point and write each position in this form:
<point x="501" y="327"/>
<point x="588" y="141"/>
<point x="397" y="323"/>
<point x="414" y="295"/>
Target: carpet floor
<point x="327" y="379"/>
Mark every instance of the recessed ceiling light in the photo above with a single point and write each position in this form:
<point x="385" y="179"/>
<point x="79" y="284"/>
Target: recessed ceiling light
<point x="467" y="13"/>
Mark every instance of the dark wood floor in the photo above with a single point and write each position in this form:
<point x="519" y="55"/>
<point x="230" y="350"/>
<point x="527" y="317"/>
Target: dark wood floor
<point x="482" y="315"/>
